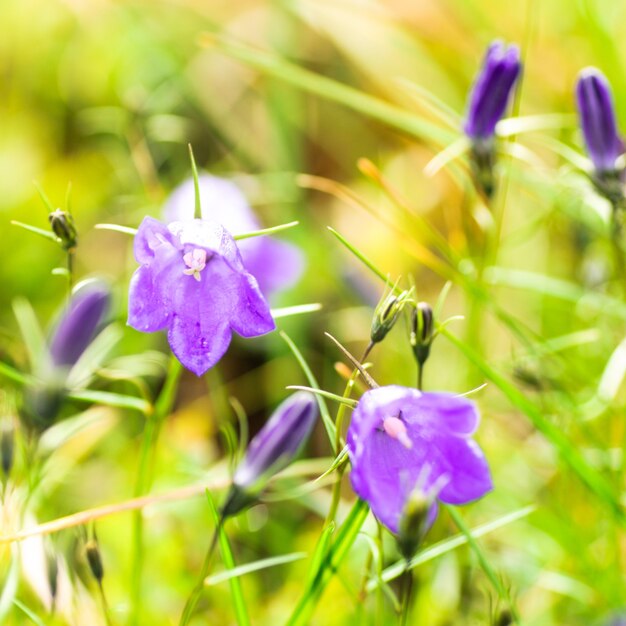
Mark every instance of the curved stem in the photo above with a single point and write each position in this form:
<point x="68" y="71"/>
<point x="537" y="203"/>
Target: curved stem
<point x="194" y="597"/>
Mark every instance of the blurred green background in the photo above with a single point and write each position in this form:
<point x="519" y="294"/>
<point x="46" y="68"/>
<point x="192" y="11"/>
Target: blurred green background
<point x="105" y="95"/>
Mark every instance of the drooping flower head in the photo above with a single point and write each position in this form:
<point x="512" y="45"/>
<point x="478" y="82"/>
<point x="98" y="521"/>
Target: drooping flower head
<point x="492" y="89"/>
<point x="272" y="449"/>
<point x="597" y="118"/>
<point x="401" y="439"/>
<point x="275" y="264"/>
<point x="193" y="283"/>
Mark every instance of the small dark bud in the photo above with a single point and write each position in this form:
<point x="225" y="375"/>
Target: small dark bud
<point x="503" y="618"/>
<point x="7" y="446"/>
<point x="422" y="327"/>
<point x="94" y="558"/>
<point x="386" y="314"/>
<point x="41" y="404"/>
<point x="53" y="574"/>
<point x="414" y="523"/>
<point x="62" y="224"/>
<point x="271" y="450"/>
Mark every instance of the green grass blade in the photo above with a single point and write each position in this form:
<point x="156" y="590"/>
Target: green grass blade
<point x="255" y="566"/>
<point x="568" y="452"/>
<point x="109" y="398"/>
<point x="241" y="611"/>
<point x="31" y="332"/>
<point x="329" y="565"/>
<point x="373" y="107"/>
<point x="266" y="231"/>
<point x="484" y="562"/>
<point x="47" y="234"/>
<point x="447" y="545"/>
<point x="298" y="309"/>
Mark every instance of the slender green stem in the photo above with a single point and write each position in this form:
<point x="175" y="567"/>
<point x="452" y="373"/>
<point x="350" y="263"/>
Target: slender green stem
<point x="420" y="376"/>
<point x="345" y="538"/>
<point x="105" y="605"/>
<point x="70" y="270"/>
<point x="484" y="563"/>
<point x="407" y="595"/>
<point x="145" y="471"/>
<point x="196" y="593"/>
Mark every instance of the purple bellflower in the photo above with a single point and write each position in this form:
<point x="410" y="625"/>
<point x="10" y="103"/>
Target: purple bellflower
<point x="491" y="91"/>
<point x="272" y="449"/>
<point x="488" y="100"/>
<point x="604" y="145"/>
<point x="192" y="282"/>
<point x="79" y="323"/>
<point x="401" y="439"/>
<point x="597" y="118"/>
<point x="75" y="329"/>
<point x="275" y="264"/>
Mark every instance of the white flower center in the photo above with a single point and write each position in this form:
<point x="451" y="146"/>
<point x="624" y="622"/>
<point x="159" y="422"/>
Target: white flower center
<point x="195" y="262"/>
<point x="396" y="429"/>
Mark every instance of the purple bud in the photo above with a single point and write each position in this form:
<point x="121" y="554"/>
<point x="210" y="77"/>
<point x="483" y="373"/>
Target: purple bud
<point x="597" y="118"/>
<point x="79" y="323"/>
<point x="272" y="449"/>
<point x="491" y="91"/>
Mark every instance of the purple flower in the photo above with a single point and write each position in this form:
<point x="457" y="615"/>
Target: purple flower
<point x="192" y="282"/>
<point x="79" y="323"/>
<point x="491" y="91"/>
<point x="272" y="449"/>
<point x="401" y="439"/>
<point x="597" y="118"/>
<point x="275" y="264"/>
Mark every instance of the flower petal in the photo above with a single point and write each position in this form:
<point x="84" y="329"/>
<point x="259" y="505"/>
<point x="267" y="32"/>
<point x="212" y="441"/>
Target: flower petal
<point x="385" y="473"/>
<point x="458" y="415"/>
<point x="252" y="316"/>
<point x="198" y="342"/>
<point x="150" y="236"/>
<point x="148" y="306"/>
<point x="464" y="465"/>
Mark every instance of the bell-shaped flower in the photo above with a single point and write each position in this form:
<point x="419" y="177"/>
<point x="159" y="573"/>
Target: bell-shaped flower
<point x="401" y="439"/>
<point x="272" y="449"/>
<point x="275" y="264"/>
<point x="193" y="283"/>
<point x="597" y="119"/>
<point x="492" y="89"/>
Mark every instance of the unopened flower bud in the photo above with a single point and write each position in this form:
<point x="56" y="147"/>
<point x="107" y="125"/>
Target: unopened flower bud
<point x="52" y="564"/>
<point x="62" y="224"/>
<point x="272" y="449"/>
<point x="415" y="521"/>
<point x="94" y="558"/>
<point x="7" y="446"/>
<point x="488" y="100"/>
<point x="503" y="618"/>
<point x="79" y="323"/>
<point x="386" y="314"/>
<point x="422" y="327"/>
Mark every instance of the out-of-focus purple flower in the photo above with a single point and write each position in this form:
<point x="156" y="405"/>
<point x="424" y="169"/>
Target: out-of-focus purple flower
<point x="401" y="439"/>
<point x="272" y="449"/>
<point x="192" y="281"/>
<point x="491" y="91"/>
<point x="79" y="323"/>
<point x="597" y="118"/>
<point x="275" y="264"/>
